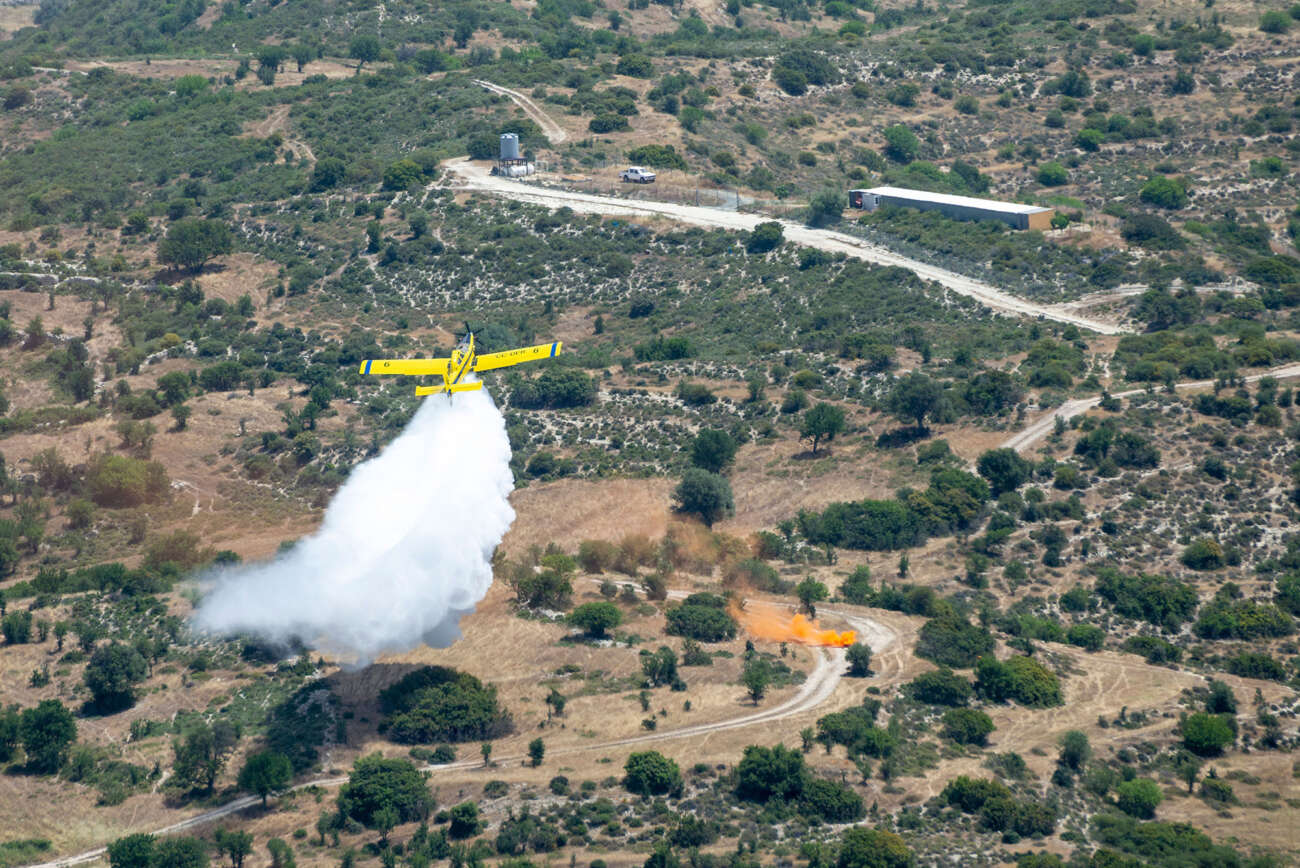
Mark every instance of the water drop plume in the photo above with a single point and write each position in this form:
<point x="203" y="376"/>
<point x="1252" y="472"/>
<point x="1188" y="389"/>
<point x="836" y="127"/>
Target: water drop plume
<point x="403" y="552"/>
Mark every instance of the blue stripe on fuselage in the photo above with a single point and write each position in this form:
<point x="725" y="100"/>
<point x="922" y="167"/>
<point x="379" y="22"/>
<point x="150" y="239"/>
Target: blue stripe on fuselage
<point x="369" y="362"/>
<point x="469" y="357"/>
<point x="553" y="346"/>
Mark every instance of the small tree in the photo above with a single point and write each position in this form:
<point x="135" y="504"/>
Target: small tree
<point x="111" y="674"/>
<point x="1187" y="767"/>
<point x="650" y="773"/>
<point x="757" y="677"/>
<point x="281" y="854"/>
<point x="914" y="397"/>
<point x="555" y="702"/>
<point x="132" y="851"/>
<point x="182" y="852"/>
<point x="810" y="592"/>
<point x="202" y="754"/>
<point x="1004" y="469"/>
<point x="901" y="144"/>
<point x="707" y="495"/>
<point x="265" y="773"/>
<point x="859" y="657"/>
<point x="874" y="848"/>
<point x="486" y="750"/>
<point x="825" y="208"/>
<point x="767" y="236"/>
<point x="1139" y="798"/>
<point x="596" y="619"/>
<point x="1053" y="175"/>
<point x="821" y="423"/>
<point x="365" y="48"/>
<point x="47" y="733"/>
<point x="236" y="845"/>
<point x="713" y="450"/>
<point x="1206" y="734"/>
<point x="464" y="821"/>
<point x="967" y="726"/>
<point x="1203" y="554"/>
<point x="376" y="784"/>
<point x="191" y="243"/>
<point x="536" y="751"/>
<point x="1075" y="750"/>
<point x="303" y="54"/>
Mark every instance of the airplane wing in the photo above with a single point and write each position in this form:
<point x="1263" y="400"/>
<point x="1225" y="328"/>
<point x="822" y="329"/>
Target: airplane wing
<point x="411" y="367"/>
<point x="514" y="357"/>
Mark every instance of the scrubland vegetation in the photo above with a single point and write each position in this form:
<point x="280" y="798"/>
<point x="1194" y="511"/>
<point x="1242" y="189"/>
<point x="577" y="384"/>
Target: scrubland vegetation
<point x="211" y="213"/>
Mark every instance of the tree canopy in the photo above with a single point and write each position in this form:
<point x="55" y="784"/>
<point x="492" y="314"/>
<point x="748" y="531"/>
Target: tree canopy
<point x="650" y="773"/>
<point x="821" y="423"/>
<point x="376" y="785"/>
<point x="111" y="675"/>
<point x="704" y="494"/>
<point x="265" y="772"/>
<point x="191" y="242"/>
<point x="596" y="619"/>
<point x="47" y="733"/>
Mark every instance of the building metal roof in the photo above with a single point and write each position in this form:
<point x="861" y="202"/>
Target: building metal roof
<point x="963" y="201"/>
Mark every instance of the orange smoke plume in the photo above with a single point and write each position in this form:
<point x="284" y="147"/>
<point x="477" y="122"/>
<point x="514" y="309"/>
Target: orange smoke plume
<point x="762" y="622"/>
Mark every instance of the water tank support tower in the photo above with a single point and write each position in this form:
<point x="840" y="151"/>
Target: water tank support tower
<point x="509" y="161"/>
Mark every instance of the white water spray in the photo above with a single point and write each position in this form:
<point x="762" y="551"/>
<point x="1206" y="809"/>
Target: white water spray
<point x="404" y="551"/>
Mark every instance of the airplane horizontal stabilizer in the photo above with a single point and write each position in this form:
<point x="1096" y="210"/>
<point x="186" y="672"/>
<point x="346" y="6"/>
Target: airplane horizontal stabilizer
<point x="422" y="391"/>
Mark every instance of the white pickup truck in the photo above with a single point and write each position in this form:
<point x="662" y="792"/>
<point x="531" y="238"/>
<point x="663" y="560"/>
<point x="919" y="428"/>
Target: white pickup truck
<point x="637" y="175"/>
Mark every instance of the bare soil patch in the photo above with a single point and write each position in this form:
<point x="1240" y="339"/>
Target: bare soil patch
<point x="237" y="274"/>
<point x="15" y="18"/>
<point x="571" y="510"/>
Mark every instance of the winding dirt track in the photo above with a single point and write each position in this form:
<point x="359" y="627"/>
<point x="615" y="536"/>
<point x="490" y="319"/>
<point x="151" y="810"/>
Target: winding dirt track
<point x="471" y="177"/>
<point x="817" y="687"/>
<point x="553" y="131"/>
<point x="1039" y="428"/>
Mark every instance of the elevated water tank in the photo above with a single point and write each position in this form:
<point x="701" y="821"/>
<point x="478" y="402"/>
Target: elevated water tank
<point x="509" y="146"/>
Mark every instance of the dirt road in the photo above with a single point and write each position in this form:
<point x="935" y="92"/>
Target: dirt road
<point x="817" y="687"/>
<point x="1039" y="428"/>
<point x="472" y="177"/>
<point x="554" y="132"/>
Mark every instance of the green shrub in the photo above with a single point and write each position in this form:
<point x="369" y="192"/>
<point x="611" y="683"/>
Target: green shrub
<point x="941" y="687"/>
<point x="967" y="726"/>
<point x="608" y="122"/>
<point x="438" y="704"/>
<point x="1207" y="734"/>
<point x="1053" y="175"/>
<point x="830" y="802"/>
<point x="1203" y="554"/>
<point x="702" y="623"/>
<point x="596" y="619"/>
<point x="1139" y="798"/>
<point x="950" y="640"/>
<point x="1086" y="636"/>
<point x="650" y="773"/>
<point x="658" y="157"/>
<point x="770" y="773"/>
<point x="377" y="786"/>
<point x="1022" y="679"/>
<point x="121" y="481"/>
<point x="1165" y="192"/>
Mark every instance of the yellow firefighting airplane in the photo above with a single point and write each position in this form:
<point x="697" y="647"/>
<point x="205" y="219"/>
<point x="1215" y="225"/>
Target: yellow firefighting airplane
<point x="463" y="361"/>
